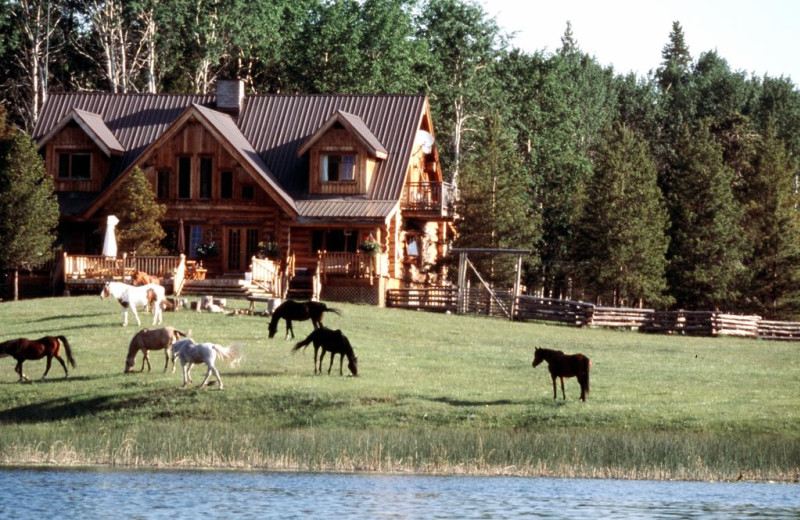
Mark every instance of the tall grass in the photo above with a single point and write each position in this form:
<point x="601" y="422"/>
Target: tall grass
<point x="435" y="393"/>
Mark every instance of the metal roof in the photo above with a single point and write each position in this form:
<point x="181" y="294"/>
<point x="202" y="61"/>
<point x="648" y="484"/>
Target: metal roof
<point x="269" y="131"/>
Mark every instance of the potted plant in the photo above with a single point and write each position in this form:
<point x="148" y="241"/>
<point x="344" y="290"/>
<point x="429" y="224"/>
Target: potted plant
<point x="370" y="246"/>
<point x="207" y="250"/>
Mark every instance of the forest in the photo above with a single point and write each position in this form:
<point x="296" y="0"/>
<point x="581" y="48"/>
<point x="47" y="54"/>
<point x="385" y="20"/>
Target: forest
<point x="674" y="190"/>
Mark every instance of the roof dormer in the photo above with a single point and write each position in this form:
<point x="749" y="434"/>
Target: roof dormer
<point x="343" y="155"/>
<point x="93" y="126"/>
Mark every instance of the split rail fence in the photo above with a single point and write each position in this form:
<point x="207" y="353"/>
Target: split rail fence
<point x="583" y="314"/>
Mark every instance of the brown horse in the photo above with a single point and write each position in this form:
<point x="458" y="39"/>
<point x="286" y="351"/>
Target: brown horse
<point x="142" y="278"/>
<point x="155" y="339"/>
<point x="332" y="341"/>
<point x="562" y="365"/>
<point x="298" y="311"/>
<point x="23" y="349"/>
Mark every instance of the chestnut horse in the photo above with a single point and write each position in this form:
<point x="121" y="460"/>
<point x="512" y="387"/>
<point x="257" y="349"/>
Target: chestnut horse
<point x="23" y="349"/>
<point x="562" y="365"/>
<point x="298" y="311"/>
<point x="142" y="278"/>
<point x="332" y="341"/>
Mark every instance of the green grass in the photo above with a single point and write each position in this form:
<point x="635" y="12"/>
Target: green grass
<point x="435" y="393"/>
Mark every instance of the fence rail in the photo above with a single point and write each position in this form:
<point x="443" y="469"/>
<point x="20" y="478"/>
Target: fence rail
<point x="582" y="314"/>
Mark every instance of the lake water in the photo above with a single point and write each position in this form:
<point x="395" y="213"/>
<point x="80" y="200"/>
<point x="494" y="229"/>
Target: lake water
<point x="36" y="493"/>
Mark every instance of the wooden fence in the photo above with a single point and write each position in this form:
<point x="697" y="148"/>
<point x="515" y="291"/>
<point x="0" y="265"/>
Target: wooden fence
<point x="582" y="314"/>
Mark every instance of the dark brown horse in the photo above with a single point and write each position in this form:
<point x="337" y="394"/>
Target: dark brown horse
<point x="562" y="365"/>
<point x="332" y="341"/>
<point x="291" y="310"/>
<point x="23" y="349"/>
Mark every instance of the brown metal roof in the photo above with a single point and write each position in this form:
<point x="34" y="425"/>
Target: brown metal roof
<point x="278" y="125"/>
<point x="269" y="131"/>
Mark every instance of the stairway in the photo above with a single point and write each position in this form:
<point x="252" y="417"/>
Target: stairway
<point x="222" y="288"/>
<point x="301" y="286"/>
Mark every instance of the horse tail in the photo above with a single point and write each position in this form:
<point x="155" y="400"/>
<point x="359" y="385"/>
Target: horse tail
<point x="67" y="349"/>
<point x="167" y="304"/>
<point x="230" y="354"/>
<point x="331" y="309"/>
<point x="304" y="343"/>
<point x="179" y="333"/>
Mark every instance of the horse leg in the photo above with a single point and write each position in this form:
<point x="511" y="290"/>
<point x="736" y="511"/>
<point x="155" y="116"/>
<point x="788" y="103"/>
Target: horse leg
<point x="47" y="367"/>
<point x="316" y="348"/>
<point x="341" y="362"/>
<point x="64" y="365"/>
<point x="289" y="329"/>
<point x="563" y="395"/>
<point x="185" y="370"/>
<point x="555" y="393"/>
<point x="331" y="365"/>
<point x="18" y="370"/>
<point x="124" y="317"/>
<point x="135" y="315"/>
<point x="166" y="360"/>
<point x="216" y="374"/>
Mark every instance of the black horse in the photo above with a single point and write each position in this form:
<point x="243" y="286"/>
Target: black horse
<point x="332" y="341"/>
<point x="563" y="365"/>
<point x="291" y="310"/>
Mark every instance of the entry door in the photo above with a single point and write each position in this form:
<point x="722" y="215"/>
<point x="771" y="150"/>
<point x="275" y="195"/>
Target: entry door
<point x="242" y="245"/>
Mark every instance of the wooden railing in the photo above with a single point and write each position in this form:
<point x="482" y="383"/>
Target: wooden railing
<point x="435" y="197"/>
<point x="98" y="268"/>
<point x="352" y="265"/>
<point x="266" y="274"/>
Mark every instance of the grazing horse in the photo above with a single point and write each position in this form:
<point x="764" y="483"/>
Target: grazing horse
<point x="298" y="311"/>
<point x="22" y="349"/>
<point x="131" y="297"/>
<point x="191" y="353"/>
<point x="562" y="365"/>
<point x="332" y="341"/>
<point x="153" y="339"/>
<point x="142" y="278"/>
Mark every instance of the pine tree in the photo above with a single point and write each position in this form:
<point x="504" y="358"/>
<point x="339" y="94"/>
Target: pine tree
<point x="28" y="207"/>
<point x="139" y="229"/>
<point x="621" y="236"/>
<point x="707" y="246"/>
<point x="773" y="227"/>
<point x="495" y="205"/>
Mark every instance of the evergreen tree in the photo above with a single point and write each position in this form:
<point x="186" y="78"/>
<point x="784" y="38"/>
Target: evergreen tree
<point x="773" y="227"/>
<point x="28" y="207"/>
<point x="494" y="205"/>
<point x="139" y="230"/>
<point x="707" y="243"/>
<point x="621" y="235"/>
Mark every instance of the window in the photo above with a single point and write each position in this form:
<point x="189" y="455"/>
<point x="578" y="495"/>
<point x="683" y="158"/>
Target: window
<point x="226" y="185"/>
<point x="184" y="177"/>
<point x="162" y="180"/>
<point x="248" y="192"/>
<point x="337" y="167"/>
<point x="195" y="239"/>
<point x="206" y="174"/>
<point x="76" y="166"/>
<point x="412" y="246"/>
<point x="335" y="240"/>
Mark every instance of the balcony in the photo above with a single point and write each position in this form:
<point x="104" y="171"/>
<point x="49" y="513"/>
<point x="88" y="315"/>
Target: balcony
<point x="429" y="200"/>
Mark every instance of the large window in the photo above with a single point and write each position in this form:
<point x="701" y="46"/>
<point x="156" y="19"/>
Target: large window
<point x="337" y="167"/>
<point x="75" y="165"/>
<point x="184" y="177"/>
<point x="334" y="240"/>
<point x="206" y="175"/>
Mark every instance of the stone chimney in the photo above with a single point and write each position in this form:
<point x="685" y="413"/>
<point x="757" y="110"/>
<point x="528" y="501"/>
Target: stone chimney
<point x="230" y="95"/>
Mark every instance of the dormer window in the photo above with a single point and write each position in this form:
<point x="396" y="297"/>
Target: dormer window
<point x="75" y="166"/>
<point x="337" y="167"/>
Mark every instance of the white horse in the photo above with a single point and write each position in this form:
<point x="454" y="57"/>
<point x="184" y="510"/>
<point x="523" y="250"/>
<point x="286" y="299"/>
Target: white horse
<point x="131" y="297"/>
<point x="191" y="353"/>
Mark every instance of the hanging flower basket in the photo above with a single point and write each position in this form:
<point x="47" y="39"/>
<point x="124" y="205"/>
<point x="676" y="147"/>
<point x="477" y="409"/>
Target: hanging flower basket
<point x="207" y="250"/>
<point x="267" y="250"/>
<point x="368" y="246"/>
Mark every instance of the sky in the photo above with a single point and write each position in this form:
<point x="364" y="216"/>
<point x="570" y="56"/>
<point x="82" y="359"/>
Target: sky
<point x="754" y="36"/>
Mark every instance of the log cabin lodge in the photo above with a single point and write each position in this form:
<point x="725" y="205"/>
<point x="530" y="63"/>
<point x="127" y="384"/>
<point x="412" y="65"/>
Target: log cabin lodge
<point x="313" y="176"/>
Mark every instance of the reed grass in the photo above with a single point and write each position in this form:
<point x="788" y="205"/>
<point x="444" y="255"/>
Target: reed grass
<point x="435" y="394"/>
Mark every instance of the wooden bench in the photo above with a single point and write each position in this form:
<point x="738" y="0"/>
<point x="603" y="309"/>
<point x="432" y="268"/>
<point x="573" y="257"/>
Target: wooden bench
<point x="254" y="299"/>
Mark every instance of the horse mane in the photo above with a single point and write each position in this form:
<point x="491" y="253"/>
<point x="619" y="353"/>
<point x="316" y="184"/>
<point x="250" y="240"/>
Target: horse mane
<point x="548" y="351"/>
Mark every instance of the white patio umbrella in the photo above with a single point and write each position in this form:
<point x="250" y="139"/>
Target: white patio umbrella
<point x="110" y="241"/>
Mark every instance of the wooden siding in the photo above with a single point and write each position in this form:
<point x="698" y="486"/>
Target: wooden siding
<point x="73" y="139"/>
<point x="339" y="140"/>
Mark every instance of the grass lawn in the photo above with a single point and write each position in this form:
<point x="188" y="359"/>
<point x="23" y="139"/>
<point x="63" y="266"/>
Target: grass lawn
<point x="436" y="393"/>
